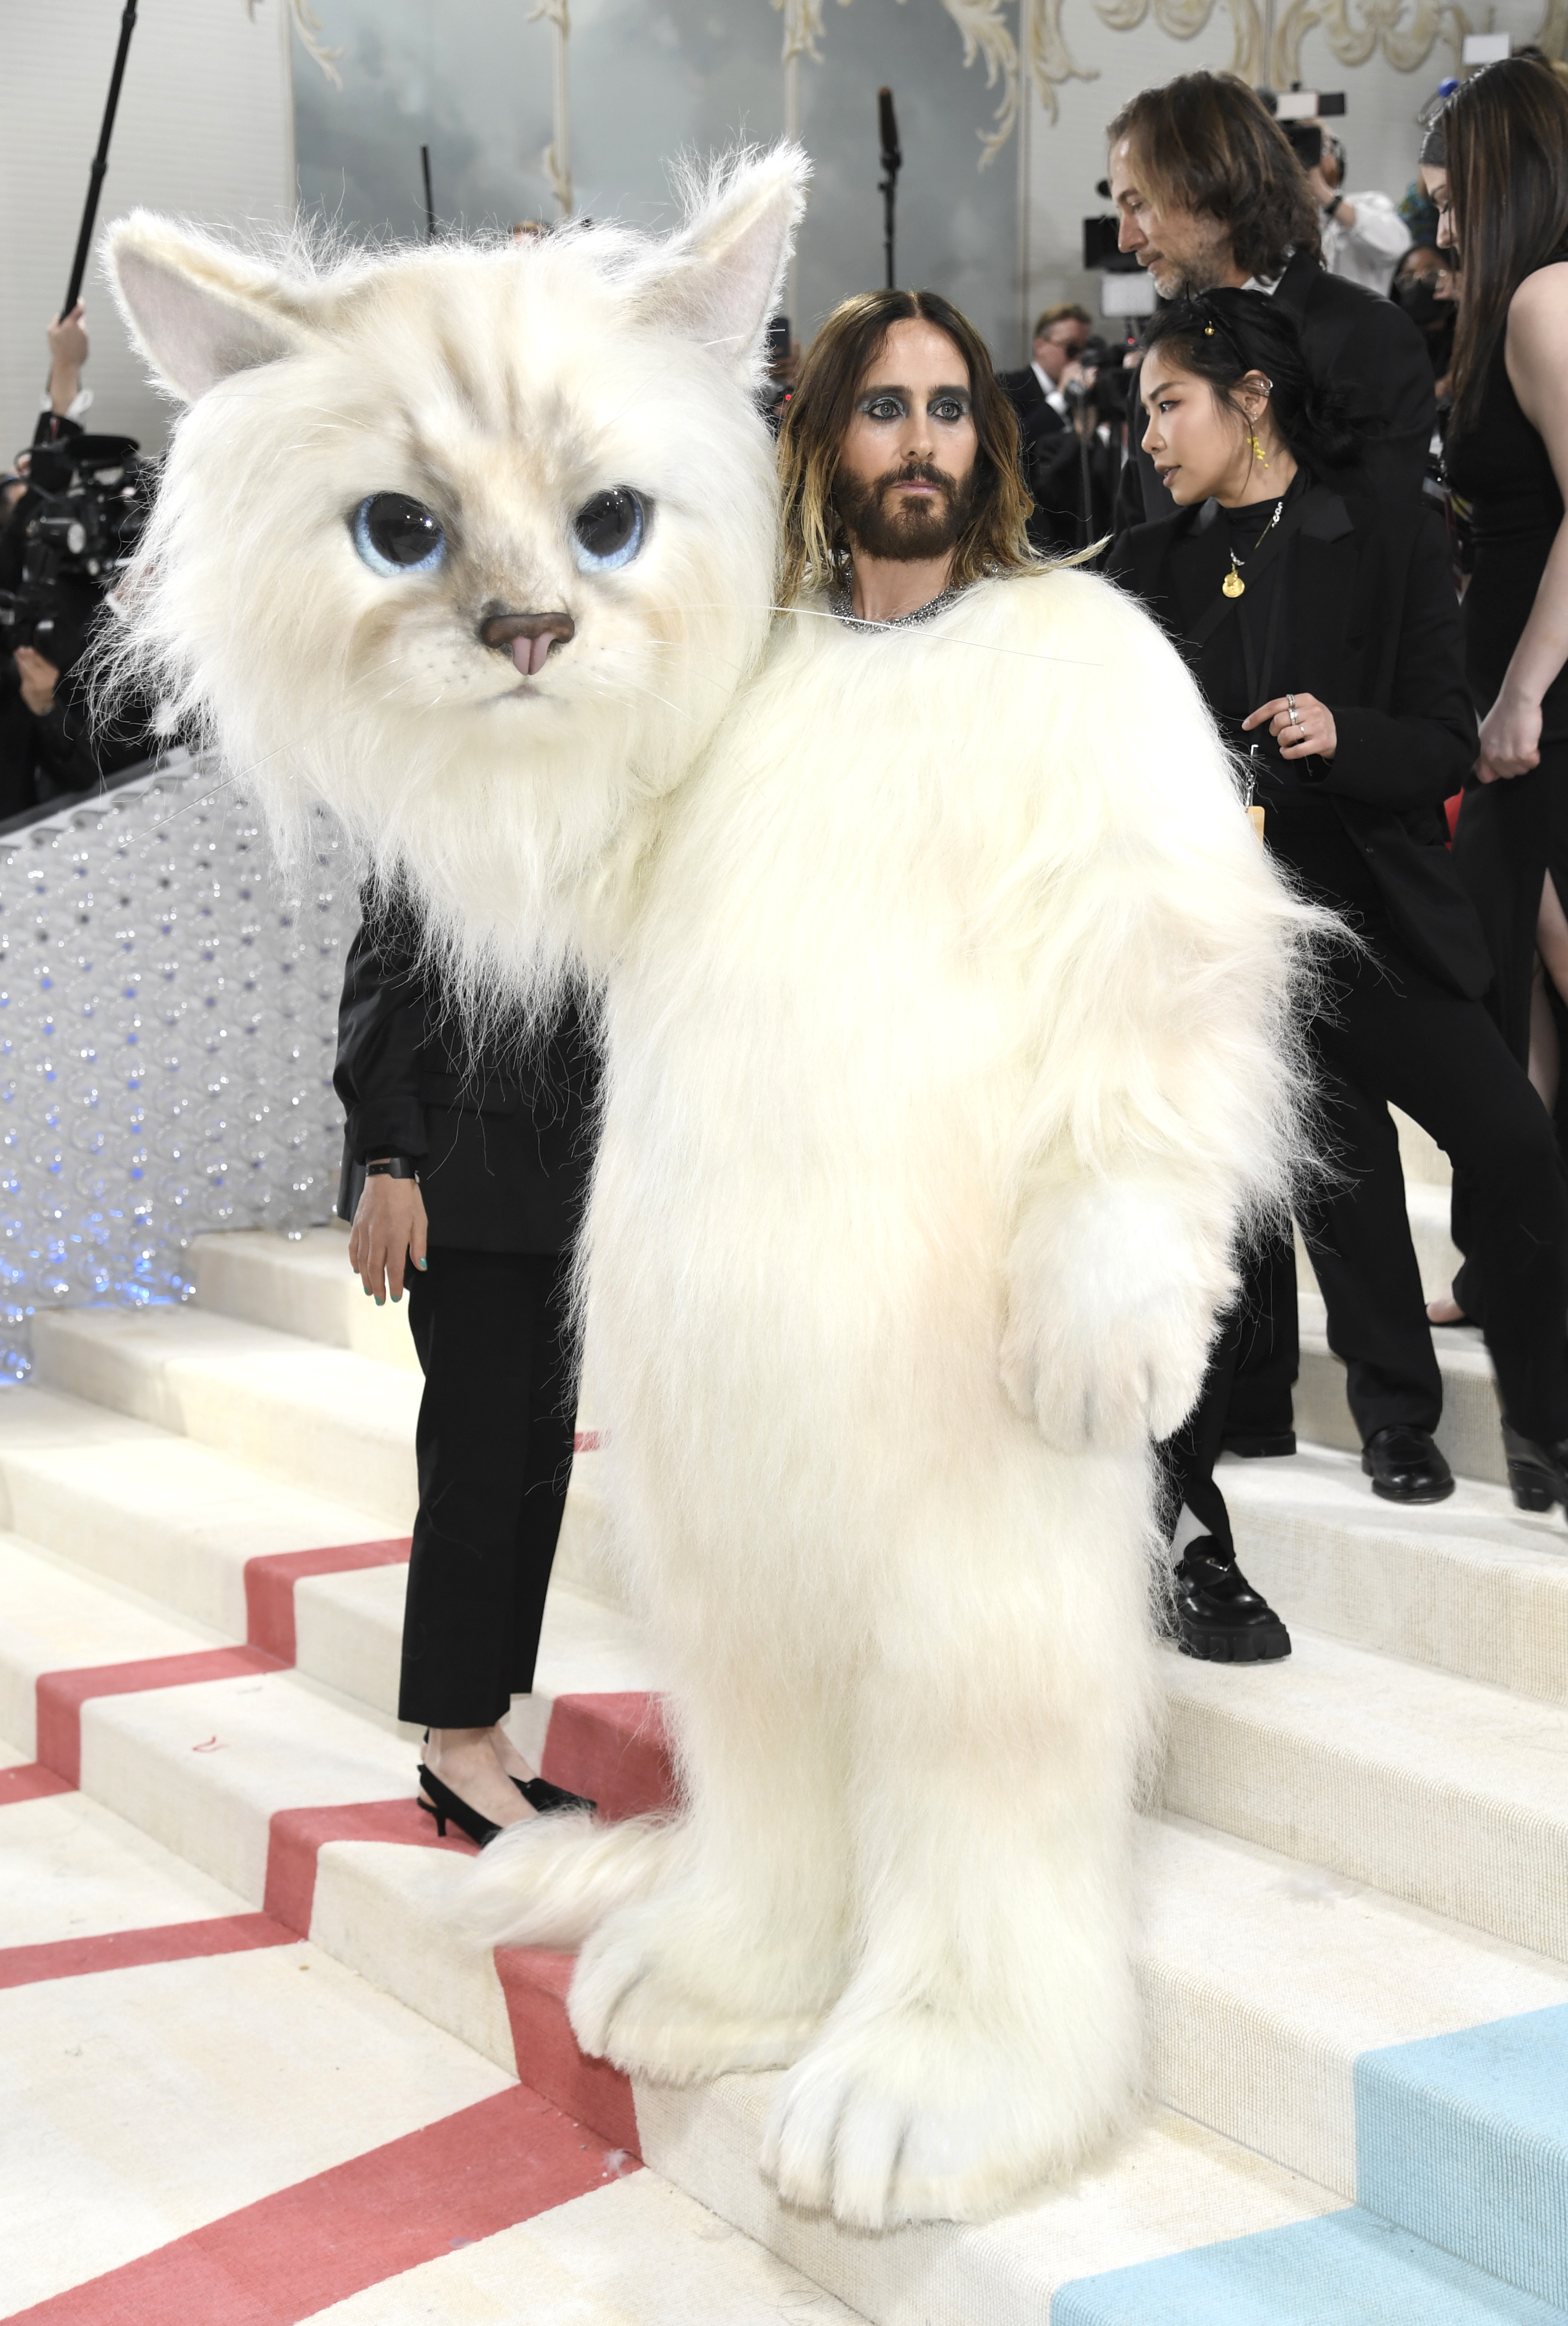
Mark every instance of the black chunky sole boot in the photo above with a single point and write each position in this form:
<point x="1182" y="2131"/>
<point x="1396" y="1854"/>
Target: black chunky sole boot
<point x="1214" y="1613"/>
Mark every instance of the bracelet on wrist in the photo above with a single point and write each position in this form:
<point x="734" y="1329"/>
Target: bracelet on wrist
<point x="393" y="1166"/>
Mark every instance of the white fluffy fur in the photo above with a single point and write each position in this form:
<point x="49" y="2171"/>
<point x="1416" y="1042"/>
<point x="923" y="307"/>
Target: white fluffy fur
<point x="502" y="387"/>
<point x="946" y="1006"/>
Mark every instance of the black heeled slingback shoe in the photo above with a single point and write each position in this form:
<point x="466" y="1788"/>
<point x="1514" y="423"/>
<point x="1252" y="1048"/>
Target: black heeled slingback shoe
<point x="551" y="1800"/>
<point x="445" y="1805"/>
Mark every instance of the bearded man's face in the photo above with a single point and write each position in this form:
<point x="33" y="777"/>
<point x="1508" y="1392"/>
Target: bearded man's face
<point x="904" y="487"/>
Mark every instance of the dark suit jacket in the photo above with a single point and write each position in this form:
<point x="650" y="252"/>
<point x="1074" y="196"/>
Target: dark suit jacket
<point x="1352" y="340"/>
<point x="1027" y="398"/>
<point x="1374" y="634"/>
<point x="503" y="1137"/>
<point x="1048" y="453"/>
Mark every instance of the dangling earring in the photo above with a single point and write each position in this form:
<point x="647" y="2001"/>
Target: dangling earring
<point x="1258" y="454"/>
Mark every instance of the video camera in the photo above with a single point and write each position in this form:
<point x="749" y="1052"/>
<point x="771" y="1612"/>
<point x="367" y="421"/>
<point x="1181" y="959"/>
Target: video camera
<point x="1301" y="114"/>
<point x="86" y="502"/>
<point x="1111" y="386"/>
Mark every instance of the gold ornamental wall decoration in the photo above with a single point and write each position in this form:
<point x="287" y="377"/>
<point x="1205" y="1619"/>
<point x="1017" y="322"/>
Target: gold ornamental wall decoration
<point x="1403" y="35"/>
<point x="1266" y="47"/>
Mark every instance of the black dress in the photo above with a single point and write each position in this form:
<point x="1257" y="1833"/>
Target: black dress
<point x="1510" y="832"/>
<point x="503" y="1137"/>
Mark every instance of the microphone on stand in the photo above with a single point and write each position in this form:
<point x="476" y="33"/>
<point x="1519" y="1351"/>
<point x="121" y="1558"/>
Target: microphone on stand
<point x="892" y="162"/>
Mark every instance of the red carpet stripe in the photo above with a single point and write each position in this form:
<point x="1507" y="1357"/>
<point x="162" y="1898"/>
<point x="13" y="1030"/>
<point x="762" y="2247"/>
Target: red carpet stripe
<point x="464" y="2178"/>
<point x="296" y="1836"/>
<point x="612" y="1749"/>
<point x="62" y="1694"/>
<point x="217" y="1934"/>
<point x="270" y="1580"/>
<point x="534" y="1980"/>
<point x="30" y="1780"/>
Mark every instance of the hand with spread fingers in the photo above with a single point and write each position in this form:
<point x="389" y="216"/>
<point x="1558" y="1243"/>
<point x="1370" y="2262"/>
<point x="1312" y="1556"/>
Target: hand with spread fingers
<point x="1302" y="726"/>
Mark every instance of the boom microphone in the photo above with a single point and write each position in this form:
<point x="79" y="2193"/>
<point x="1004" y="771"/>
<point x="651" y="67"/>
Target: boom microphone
<point x="892" y="162"/>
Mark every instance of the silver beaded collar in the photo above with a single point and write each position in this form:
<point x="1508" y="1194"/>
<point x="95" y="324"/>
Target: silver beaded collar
<point x="840" y="604"/>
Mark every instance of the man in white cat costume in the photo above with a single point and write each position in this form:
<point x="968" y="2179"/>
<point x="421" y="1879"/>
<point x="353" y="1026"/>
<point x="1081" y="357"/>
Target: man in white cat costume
<point x="944" y="991"/>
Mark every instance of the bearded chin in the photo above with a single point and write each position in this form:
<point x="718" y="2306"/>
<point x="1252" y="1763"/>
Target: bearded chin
<point x="920" y="529"/>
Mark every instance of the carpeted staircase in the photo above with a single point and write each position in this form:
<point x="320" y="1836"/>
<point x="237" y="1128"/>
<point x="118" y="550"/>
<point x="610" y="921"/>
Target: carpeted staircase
<point x="1355" y="1940"/>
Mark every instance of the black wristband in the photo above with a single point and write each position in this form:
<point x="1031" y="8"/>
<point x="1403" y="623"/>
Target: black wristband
<point x="1329" y="208"/>
<point x="393" y="1166"/>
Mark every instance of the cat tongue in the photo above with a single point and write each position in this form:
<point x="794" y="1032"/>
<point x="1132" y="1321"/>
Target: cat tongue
<point x="529" y="654"/>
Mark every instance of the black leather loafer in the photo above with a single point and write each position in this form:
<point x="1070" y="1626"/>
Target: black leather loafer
<point x="1216" y="1613"/>
<point x="1537" y="1475"/>
<point x="1405" y="1466"/>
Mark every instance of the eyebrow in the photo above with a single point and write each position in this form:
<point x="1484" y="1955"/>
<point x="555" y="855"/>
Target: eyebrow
<point x="895" y="387"/>
<point x="1153" y="394"/>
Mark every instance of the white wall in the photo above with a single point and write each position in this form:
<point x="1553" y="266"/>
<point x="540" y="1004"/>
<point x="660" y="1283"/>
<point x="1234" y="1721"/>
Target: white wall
<point x="205" y="127"/>
<point x="471" y="78"/>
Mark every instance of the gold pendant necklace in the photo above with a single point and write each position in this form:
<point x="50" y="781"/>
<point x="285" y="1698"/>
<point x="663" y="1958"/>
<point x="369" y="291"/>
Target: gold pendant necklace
<point x="1233" y="585"/>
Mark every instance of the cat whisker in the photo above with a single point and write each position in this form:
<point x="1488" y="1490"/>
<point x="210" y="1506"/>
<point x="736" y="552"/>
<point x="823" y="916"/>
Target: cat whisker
<point x="822" y="614"/>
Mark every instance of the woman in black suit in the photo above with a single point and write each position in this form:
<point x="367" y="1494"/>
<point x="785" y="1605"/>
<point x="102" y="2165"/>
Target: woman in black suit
<point x="464" y="1168"/>
<point x="1323" y="629"/>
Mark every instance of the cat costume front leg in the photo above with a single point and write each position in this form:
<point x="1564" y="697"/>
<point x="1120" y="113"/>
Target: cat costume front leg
<point x="942" y="990"/>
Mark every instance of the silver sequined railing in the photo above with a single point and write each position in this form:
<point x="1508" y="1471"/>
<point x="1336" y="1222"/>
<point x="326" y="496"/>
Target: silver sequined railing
<point x="168" y="1020"/>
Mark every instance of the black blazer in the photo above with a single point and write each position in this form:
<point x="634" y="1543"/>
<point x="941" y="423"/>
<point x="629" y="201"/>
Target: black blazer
<point x="1375" y="634"/>
<point x="1352" y="340"/>
<point x="1048" y="454"/>
<point x="1023" y="392"/>
<point x="503" y="1137"/>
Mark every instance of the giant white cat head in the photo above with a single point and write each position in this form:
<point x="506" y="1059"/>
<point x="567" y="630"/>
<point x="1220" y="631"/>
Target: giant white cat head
<point x="473" y="545"/>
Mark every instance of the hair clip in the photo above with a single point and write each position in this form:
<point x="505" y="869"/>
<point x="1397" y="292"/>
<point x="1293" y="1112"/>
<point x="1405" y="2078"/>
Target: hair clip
<point x="1208" y="330"/>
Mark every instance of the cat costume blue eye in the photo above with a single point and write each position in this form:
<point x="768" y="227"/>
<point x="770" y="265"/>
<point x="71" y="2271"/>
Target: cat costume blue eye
<point x="397" y="535"/>
<point x="607" y="530"/>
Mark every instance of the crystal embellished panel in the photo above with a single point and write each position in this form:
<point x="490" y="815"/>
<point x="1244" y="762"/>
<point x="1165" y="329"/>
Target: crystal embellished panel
<point x="168" y="1024"/>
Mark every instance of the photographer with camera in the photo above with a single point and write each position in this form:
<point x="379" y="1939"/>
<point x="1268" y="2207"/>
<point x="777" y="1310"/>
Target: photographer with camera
<point x="75" y="521"/>
<point x="1210" y="192"/>
<point x="1070" y="401"/>
<point x="1364" y="235"/>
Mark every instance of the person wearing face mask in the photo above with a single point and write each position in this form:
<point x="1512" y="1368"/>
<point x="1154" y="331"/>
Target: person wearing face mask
<point x="1422" y="285"/>
<point x="1322" y="627"/>
<point x="1209" y="193"/>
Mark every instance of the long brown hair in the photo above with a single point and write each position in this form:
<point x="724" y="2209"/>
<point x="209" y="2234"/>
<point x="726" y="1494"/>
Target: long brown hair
<point x="1506" y="138"/>
<point x="1205" y="142"/>
<point x="816" y="547"/>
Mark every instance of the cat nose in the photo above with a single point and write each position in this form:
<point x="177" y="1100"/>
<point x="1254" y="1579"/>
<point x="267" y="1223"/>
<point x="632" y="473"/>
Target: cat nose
<point x="529" y="636"/>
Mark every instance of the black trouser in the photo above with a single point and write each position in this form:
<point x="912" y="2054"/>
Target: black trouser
<point x="1391" y="1035"/>
<point x="494" y="1445"/>
<point x="1268" y="1355"/>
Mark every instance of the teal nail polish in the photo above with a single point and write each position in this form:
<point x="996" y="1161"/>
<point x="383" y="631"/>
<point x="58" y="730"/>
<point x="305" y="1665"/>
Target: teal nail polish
<point x="368" y="1292"/>
<point x="395" y="1299"/>
<point x="419" y="1263"/>
<point x="380" y="1300"/>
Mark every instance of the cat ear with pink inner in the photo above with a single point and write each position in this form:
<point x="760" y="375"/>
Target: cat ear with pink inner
<point x="719" y="278"/>
<point x="197" y="311"/>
